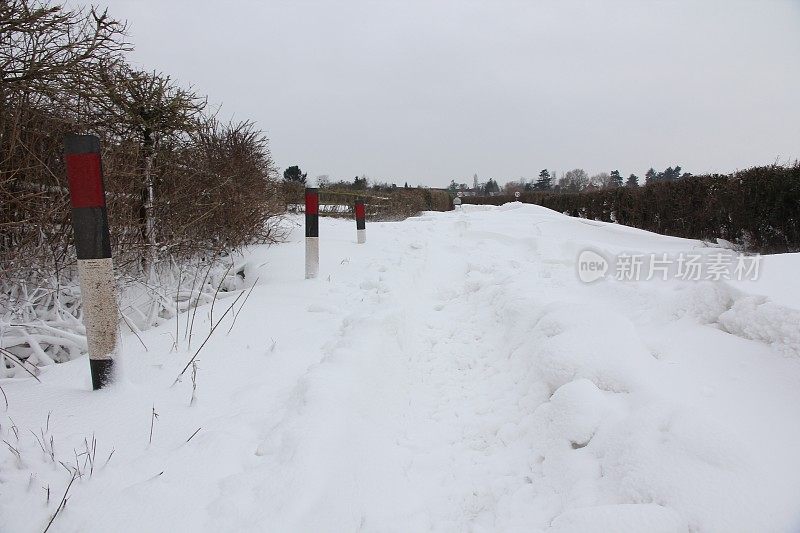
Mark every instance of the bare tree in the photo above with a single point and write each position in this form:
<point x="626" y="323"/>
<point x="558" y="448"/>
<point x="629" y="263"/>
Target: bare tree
<point x="601" y="181"/>
<point x="178" y="184"/>
<point x="515" y="186"/>
<point x="47" y="55"/>
<point x="152" y="109"/>
<point x="574" y="181"/>
<point x="42" y="45"/>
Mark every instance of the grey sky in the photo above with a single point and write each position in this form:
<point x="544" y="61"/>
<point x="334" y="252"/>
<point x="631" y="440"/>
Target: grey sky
<point x="428" y="91"/>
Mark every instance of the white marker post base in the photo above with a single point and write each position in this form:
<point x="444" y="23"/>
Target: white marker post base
<point x="100" y="315"/>
<point x="361" y="236"/>
<point x="312" y="257"/>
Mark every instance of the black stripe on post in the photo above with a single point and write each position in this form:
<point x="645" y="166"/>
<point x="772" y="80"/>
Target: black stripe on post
<point x="92" y="239"/>
<point x="102" y="371"/>
<point x="81" y="144"/>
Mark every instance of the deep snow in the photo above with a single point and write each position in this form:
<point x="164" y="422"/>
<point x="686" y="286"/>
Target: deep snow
<point x="452" y="374"/>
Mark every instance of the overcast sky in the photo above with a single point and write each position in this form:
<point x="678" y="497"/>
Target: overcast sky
<point x="429" y="91"/>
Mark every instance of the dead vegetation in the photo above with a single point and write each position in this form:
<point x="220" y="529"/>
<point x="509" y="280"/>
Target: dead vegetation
<point x="184" y="190"/>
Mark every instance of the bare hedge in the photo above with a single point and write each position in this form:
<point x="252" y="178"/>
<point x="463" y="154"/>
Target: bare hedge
<point x="180" y="184"/>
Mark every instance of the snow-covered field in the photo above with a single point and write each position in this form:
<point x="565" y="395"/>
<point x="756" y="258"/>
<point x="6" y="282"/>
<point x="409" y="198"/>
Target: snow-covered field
<point x="453" y="374"/>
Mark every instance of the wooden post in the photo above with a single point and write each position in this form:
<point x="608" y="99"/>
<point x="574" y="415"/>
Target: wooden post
<point x="312" y="232"/>
<point x="361" y="222"/>
<point x="93" y="247"/>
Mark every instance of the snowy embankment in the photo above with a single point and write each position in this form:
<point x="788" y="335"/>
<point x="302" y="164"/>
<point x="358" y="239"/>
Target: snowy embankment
<point x="453" y="374"/>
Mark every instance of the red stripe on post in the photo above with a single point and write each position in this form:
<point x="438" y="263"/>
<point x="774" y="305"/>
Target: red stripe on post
<point x="360" y="211"/>
<point x="312" y="203"/>
<point x="85" y="180"/>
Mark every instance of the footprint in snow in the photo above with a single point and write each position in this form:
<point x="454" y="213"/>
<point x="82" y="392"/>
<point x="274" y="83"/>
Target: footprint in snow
<point x="320" y="308"/>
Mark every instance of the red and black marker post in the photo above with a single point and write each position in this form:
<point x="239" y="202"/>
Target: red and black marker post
<point x="361" y="222"/>
<point x="93" y="247"/>
<point x="312" y="232"/>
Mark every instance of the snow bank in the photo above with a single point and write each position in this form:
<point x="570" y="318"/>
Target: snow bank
<point x="756" y="318"/>
<point x="748" y="316"/>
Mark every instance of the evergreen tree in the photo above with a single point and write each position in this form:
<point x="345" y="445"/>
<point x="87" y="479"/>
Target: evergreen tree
<point x="616" y="179"/>
<point x="491" y="187"/>
<point x="651" y="176"/>
<point x="294" y="173"/>
<point x="670" y="174"/>
<point x="360" y="183"/>
<point x="544" y="183"/>
<point x="633" y="181"/>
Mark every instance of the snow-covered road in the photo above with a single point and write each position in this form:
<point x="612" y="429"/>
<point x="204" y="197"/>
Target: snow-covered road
<point x="453" y="374"/>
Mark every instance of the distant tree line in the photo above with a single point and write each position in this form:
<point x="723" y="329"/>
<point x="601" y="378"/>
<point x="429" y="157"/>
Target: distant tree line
<point x="180" y="183"/>
<point x="294" y="177"/>
<point x="577" y="180"/>
<point x="489" y="187"/>
<point x="758" y="208"/>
